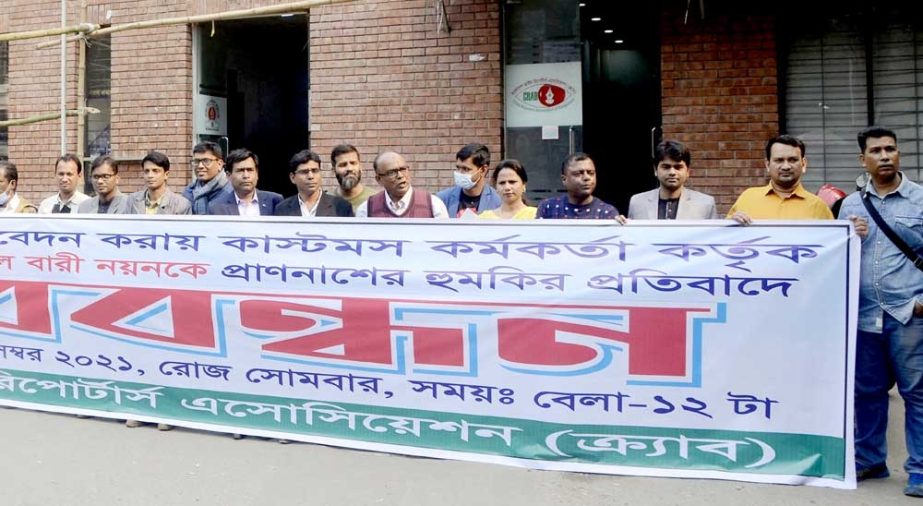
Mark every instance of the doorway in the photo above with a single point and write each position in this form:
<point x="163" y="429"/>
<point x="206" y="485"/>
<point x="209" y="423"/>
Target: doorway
<point x="617" y="45"/>
<point x="259" y="66"/>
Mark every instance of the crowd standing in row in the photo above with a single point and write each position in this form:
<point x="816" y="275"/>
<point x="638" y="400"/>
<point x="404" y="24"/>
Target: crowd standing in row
<point x="890" y="327"/>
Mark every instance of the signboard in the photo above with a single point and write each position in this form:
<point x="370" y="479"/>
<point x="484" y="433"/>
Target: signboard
<point x="544" y="94"/>
<point x="211" y="115"/>
<point x="688" y="349"/>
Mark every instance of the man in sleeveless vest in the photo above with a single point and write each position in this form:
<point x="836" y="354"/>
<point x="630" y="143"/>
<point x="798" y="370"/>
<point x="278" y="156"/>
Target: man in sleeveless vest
<point x="399" y="199"/>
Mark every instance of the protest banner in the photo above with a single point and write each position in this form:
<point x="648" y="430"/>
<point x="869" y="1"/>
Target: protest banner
<point x="694" y="349"/>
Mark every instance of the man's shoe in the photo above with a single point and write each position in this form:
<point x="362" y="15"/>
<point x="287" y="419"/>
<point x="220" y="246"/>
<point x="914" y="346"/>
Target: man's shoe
<point x="131" y="424"/>
<point x="164" y="427"/>
<point x="914" y="485"/>
<point x="872" y="473"/>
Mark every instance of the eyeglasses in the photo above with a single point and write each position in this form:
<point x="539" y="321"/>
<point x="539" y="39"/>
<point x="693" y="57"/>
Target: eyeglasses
<point x="392" y="174"/>
<point x="102" y="177"/>
<point x="307" y="172"/>
<point x="207" y="162"/>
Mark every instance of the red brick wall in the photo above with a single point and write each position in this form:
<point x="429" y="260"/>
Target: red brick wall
<point x="720" y="97"/>
<point x="151" y="90"/>
<point x="34" y="77"/>
<point x="382" y="78"/>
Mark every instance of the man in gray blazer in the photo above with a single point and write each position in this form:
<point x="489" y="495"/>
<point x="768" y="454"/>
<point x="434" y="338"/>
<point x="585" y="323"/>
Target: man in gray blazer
<point x="310" y="201"/>
<point x="245" y="200"/>
<point x="108" y="200"/>
<point x="671" y="200"/>
<point x="157" y="198"/>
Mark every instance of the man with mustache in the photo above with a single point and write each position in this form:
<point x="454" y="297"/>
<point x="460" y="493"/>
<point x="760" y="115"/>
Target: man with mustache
<point x="68" y="171"/>
<point x="578" y="174"/>
<point x="347" y="167"/>
<point x="672" y="200"/>
<point x="783" y="198"/>
<point x="889" y="340"/>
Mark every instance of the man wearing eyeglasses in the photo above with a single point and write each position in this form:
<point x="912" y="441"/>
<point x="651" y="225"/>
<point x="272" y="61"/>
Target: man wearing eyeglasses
<point x="399" y="199"/>
<point x="67" y="170"/>
<point x="310" y="201"/>
<point x="104" y="172"/>
<point x="471" y="193"/>
<point x="211" y="182"/>
<point x="245" y="200"/>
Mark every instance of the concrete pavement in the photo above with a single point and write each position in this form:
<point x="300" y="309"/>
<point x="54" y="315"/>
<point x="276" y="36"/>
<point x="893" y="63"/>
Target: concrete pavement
<point x="62" y="460"/>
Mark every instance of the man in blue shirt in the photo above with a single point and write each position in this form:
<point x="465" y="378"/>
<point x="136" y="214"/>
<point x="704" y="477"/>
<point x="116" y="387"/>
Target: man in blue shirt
<point x="471" y="193"/>
<point x="578" y="173"/>
<point x="889" y="341"/>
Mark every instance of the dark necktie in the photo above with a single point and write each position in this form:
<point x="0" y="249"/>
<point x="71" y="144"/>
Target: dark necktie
<point x="59" y="209"/>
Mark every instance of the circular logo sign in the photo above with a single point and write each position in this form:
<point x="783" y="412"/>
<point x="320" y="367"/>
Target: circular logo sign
<point x="543" y="94"/>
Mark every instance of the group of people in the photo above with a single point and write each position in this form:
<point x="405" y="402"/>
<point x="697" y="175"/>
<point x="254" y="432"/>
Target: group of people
<point x="890" y="326"/>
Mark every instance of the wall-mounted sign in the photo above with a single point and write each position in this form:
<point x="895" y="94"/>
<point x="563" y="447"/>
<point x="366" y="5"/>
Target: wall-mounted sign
<point x="211" y="115"/>
<point x="544" y="94"/>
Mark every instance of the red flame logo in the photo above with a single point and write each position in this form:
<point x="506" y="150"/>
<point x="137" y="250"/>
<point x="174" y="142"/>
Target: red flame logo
<point x="550" y="95"/>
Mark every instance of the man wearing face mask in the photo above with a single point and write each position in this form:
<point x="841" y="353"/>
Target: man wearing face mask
<point x="471" y="193"/>
<point x="10" y="202"/>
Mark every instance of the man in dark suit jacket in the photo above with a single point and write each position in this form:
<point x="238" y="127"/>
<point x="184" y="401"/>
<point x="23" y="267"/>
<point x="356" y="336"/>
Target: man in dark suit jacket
<point x="245" y="200"/>
<point x="310" y="201"/>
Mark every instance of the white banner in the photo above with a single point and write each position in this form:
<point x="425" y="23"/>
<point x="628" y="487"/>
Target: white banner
<point x="693" y="349"/>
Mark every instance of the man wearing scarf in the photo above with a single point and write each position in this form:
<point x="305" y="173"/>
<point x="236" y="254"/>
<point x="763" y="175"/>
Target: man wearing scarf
<point x="211" y="182"/>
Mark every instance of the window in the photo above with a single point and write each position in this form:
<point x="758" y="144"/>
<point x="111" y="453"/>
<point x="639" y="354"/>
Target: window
<point x="845" y="72"/>
<point x="99" y="96"/>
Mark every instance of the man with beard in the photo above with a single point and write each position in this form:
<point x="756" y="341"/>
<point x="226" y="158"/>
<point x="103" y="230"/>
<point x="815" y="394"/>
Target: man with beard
<point x="310" y="201"/>
<point x="783" y="198"/>
<point x="578" y="174"/>
<point x="889" y="340"/>
<point x="211" y="182"/>
<point x="672" y="200"/>
<point x="348" y="169"/>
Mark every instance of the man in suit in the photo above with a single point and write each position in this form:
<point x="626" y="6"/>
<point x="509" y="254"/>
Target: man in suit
<point x="108" y="200"/>
<point x="156" y="197"/>
<point x="671" y="200"/>
<point x="310" y="201"/>
<point x="245" y="200"/>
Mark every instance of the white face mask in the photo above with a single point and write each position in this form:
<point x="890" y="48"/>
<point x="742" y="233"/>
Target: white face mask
<point x="464" y="181"/>
<point x="4" y="198"/>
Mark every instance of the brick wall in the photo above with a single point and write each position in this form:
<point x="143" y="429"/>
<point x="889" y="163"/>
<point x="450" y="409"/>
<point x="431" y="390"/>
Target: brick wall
<point x="34" y="77"/>
<point x="382" y="78"/>
<point x="720" y="97"/>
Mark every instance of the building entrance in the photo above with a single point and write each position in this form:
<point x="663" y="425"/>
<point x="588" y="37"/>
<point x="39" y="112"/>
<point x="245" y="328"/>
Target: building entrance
<point x="252" y="90"/>
<point x="606" y="54"/>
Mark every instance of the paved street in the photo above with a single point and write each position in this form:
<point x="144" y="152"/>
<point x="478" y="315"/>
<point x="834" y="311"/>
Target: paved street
<point x="62" y="460"/>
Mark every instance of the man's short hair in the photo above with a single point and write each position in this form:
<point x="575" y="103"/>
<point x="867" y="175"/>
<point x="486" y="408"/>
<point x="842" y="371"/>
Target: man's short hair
<point x="340" y="150"/>
<point x="9" y="170"/>
<point x="674" y="150"/>
<point x="69" y="158"/>
<point x="239" y="155"/>
<point x="788" y="140"/>
<point x="478" y="153"/>
<point x="157" y="158"/>
<point x="209" y="147"/>
<point x="572" y="159"/>
<point x="875" y="132"/>
<point x="105" y="160"/>
<point x="302" y="157"/>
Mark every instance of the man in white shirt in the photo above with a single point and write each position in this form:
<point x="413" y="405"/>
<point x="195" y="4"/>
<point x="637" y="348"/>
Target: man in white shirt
<point x="399" y="199"/>
<point x="68" y="171"/>
<point x="310" y="201"/>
